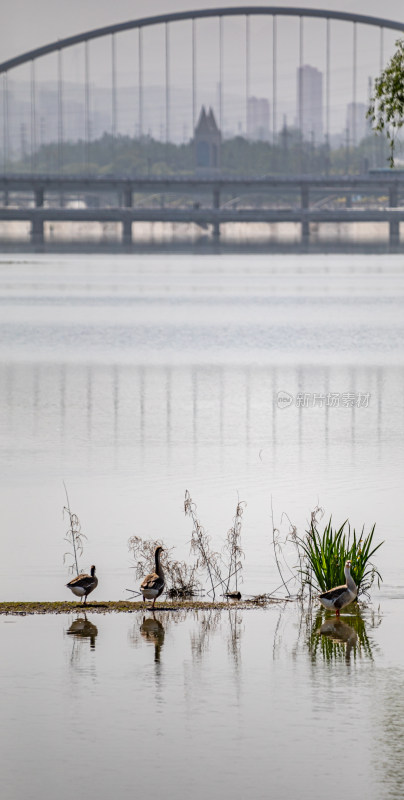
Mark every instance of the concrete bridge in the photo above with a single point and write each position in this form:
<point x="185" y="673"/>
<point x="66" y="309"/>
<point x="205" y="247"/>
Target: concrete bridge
<point x="311" y="200"/>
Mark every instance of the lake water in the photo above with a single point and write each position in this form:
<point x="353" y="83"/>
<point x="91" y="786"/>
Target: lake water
<point x="133" y="379"/>
<point x="221" y="704"/>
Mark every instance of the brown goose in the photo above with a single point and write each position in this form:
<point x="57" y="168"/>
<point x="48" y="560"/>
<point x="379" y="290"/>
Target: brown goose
<point x="341" y="596"/>
<point x="153" y="584"/>
<point x="83" y="584"/>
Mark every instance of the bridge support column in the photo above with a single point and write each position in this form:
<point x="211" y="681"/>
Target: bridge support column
<point x="39" y="197"/>
<point x="216" y="205"/>
<point x="37" y="231"/>
<point x="304" y="204"/>
<point x="127" y="223"/>
<point x="394" y="225"/>
<point x="37" y="236"/>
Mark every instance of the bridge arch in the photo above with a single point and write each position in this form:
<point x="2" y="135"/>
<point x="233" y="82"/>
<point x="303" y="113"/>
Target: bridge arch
<point x="248" y="11"/>
<point x="166" y="20"/>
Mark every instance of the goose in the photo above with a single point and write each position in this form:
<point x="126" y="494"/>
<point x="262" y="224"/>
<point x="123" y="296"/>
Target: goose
<point x="83" y="584"/>
<point x="153" y="584"/>
<point x="340" y="596"/>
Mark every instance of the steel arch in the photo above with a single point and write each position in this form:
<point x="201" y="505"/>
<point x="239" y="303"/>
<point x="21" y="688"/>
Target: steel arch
<point x="231" y="11"/>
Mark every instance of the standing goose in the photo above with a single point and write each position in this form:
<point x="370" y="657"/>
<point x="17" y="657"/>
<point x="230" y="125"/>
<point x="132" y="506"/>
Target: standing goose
<point x="83" y="584"/>
<point x="153" y="584"/>
<point x="341" y="596"/>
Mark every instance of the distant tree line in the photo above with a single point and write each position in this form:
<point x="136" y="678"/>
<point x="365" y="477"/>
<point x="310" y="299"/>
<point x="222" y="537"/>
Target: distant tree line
<point x="124" y="155"/>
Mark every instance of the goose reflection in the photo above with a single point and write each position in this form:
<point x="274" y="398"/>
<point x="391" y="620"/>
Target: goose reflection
<point x="339" y="631"/>
<point x="82" y="628"/>
<point x="338" y="639"/>
<point x="153" y="631"/>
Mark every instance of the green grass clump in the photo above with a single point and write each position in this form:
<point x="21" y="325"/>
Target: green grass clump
<point x="325" y="554"/>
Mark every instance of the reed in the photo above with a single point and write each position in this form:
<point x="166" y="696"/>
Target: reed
<point x="324" y="556"/>
<point x="206" y="558"/>
<point x="181" y="578"/>
<point x="234" y="551"/>
<point x="220" y="567"/>
<point x="74" y="537"/>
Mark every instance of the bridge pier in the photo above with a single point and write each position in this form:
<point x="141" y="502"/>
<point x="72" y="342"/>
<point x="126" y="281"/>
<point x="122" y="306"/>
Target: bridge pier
<point x="37" y="236"/>
<point x="216" y="205"/>
<point x="394" y="225"/>
<point x="39" y="197"/>
<point x="127" y="223"/>
<point x="304" y="204"/>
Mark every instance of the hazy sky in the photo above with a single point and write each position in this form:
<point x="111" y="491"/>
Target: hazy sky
<point x="26" y="24"/>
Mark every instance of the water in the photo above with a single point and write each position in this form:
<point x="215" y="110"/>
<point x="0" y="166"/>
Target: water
<point x="221" y="704"/>
<point x="133" y="379"/>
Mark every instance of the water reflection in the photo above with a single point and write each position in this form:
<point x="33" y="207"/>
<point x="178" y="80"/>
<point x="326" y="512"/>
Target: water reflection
<point x="338" y="631"/>
<point x="236" y="629"/>
<point x="153" y="631"/>
<point x="337" y="640"/>
<point x="198" y="405"/>
<point x="82" y="628"/>
<point x="389" y="726"/>
<point x="208" y="623"/>
<point x="200" y="701"/>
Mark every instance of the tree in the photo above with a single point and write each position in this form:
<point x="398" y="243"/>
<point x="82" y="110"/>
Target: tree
<point x="386" y="107"/>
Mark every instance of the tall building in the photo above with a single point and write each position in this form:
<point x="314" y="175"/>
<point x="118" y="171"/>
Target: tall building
<point x="310" y="103"/>
<point x="356" y="122"/>
<point x="258" y="118"/>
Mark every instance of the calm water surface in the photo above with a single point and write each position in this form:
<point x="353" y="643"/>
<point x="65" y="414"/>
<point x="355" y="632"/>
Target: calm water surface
<point x="133" y="379"/>
<point x="226" y="704"/>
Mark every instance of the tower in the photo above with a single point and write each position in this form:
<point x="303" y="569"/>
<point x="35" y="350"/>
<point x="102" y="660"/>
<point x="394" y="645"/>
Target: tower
<point x="207" y="142"/>
<point x="310" y="102"/>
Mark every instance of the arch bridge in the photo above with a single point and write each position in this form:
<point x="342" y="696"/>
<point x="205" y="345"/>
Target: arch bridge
<point x="194" y="67"/>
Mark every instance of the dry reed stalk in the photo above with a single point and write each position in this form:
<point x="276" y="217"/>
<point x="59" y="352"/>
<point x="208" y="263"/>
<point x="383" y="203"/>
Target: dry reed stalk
<point x="181" y="578"/>
<point x="200" y="545"/>
<point x="233" y="547"/>
<point x="74" y="536"/>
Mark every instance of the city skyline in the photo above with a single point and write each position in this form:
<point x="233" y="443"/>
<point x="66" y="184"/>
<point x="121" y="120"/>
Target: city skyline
<point x="152" y="80"/>
<point x="257" y="125"/>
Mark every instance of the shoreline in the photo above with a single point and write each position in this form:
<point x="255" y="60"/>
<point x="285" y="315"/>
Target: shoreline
<point x="130" y="606"/>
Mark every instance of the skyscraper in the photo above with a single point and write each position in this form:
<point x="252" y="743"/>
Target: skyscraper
<point x="310" y="103"/>
<point x="258" y="118"/>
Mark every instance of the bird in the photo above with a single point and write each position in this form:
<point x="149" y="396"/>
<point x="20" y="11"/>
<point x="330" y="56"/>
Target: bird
<point x="83" y="584"/>
<point x="153" y="584"/>
<point x="340" y="596"/>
